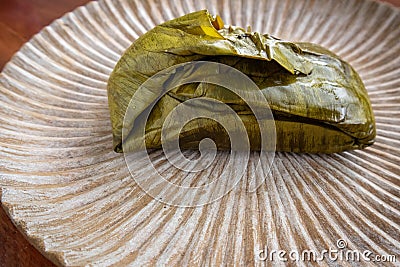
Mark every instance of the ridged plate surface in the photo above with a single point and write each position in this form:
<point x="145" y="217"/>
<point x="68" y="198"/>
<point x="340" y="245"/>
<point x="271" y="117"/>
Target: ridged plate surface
<point x="75" y="200"/>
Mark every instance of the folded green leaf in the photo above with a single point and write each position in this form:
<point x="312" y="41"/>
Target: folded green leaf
<point x="319" y="102"/>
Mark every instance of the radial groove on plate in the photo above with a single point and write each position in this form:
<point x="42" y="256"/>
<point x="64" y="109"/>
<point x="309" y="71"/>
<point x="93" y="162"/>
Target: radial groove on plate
<point x="76" y="201"/>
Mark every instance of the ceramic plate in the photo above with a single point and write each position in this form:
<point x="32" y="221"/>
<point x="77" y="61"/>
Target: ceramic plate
<point x="75" y="200"/>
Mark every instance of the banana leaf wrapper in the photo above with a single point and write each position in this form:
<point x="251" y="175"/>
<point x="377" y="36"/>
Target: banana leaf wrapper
<point x="318" y="101"/>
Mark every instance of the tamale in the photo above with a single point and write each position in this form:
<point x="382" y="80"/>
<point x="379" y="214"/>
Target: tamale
<point x="318" y="101"/>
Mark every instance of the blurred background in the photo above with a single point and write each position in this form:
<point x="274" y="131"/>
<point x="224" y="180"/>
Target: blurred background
<point x="20" y="19"/>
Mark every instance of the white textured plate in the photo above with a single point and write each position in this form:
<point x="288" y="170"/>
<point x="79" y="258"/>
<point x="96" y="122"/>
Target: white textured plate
<point x="76" y="202"/>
